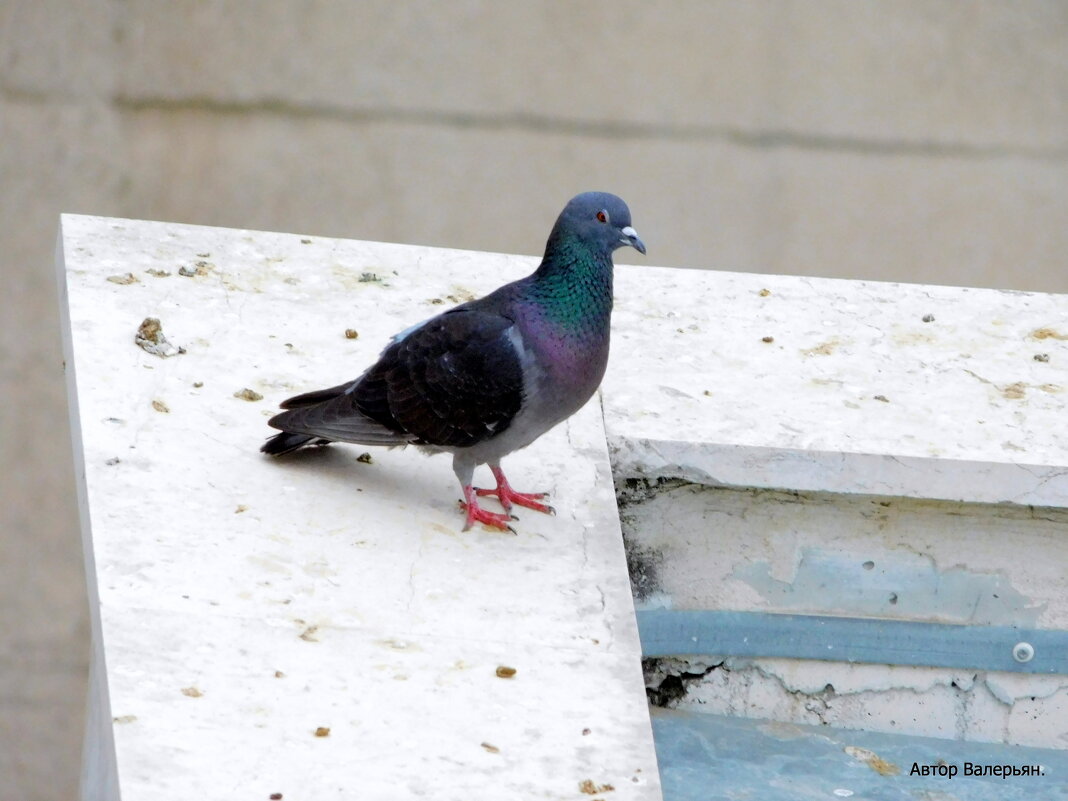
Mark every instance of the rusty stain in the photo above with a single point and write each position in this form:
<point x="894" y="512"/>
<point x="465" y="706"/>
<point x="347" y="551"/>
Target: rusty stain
<point x="505" y="672"/>
<point x="460" y="294"/>
<point x="351" y="333"/>
<point x="322" y="731"/>
<point x="588" y="787"/>
<point x="1047" y="333"/>
<point x="823" y="349"/>
<point x="1014" y="391"/>
<point x="872" y="760"/>
<point x="907" y="339"/>
<point x="764" y="293"/>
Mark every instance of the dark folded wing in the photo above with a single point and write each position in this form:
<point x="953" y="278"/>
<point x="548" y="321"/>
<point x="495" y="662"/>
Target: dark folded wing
<point x="453" y="382"/>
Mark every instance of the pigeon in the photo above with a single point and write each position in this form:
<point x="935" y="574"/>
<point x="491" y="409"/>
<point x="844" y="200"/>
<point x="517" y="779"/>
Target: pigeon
<point x="489" y="376"/>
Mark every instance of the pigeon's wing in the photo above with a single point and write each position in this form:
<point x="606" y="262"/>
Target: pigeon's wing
<point x="453" y="381"/>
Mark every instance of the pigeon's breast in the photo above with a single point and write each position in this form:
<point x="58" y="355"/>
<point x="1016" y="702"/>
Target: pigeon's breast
<point x="570" y="364"/>
<point x="559" y="376"/>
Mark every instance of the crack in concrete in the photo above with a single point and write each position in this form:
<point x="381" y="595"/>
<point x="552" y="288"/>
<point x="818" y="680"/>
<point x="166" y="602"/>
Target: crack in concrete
<point x="670" y="680"/>
<point x="816" y="703"/>
<point x="1042" y="480"/>
<point x="411" y="576"/>
<point x="607" y="621"/>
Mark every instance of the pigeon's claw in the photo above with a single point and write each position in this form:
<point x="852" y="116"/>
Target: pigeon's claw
<point x="476" y="514"/>
<point x="508" y="497"/>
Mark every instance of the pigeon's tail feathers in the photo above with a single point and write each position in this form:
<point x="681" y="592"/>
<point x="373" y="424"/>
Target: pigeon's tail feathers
<point x="288" y="441"/>
<point x="317" y="396"/>
<point x="332" y="415"/>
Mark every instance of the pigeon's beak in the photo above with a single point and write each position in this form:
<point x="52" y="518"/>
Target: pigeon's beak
<point x="630" y="237"/>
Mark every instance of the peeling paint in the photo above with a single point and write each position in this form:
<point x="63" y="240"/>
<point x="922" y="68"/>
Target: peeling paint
<point x="820" y="553"/>
<point x="907" y="584"/>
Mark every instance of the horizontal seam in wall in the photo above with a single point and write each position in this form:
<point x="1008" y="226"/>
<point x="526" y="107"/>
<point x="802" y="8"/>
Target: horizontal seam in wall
<point x="606" y="129"/>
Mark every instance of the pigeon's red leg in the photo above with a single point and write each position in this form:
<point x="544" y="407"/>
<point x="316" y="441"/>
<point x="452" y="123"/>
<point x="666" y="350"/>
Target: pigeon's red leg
<point x="508" y="496"/>
<point x="476" y="514"/>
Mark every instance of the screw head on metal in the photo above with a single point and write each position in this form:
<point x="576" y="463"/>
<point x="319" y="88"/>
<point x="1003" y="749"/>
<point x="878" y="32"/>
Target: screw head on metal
<point x="1023" y="652"/>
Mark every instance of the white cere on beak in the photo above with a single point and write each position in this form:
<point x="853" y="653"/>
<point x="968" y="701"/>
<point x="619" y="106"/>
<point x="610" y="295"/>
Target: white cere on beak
<point x="630" y="237"/>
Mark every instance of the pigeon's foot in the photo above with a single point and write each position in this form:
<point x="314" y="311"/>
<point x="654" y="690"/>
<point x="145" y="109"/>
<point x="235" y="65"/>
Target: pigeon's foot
<point x="476" y="514"/>
<point x="509" y="497"/>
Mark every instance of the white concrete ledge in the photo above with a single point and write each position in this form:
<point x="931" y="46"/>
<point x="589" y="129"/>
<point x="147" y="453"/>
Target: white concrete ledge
<point x="839" y="386"/>
<point x="241" y="605"/>
<point x="320" y="627"/>
<point x="877" y="407"/>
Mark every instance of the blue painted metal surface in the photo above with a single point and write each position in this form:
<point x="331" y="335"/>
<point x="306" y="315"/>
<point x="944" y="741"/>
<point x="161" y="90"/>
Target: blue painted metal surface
<point x="670" y="632"/>
<point x="706" y="757"/>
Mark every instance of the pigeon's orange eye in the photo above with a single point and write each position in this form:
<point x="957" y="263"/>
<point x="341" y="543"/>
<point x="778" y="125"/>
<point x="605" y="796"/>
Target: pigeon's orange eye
<point x="602" y="216"/>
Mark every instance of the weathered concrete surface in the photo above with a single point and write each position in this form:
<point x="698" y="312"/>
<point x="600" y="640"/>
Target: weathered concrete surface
<point x="810" y="553"/>
<point x="243" y="603"/>
<point x="697" y="547"/>
<point x="863" y="449"/>
<point x="840" y="386"/>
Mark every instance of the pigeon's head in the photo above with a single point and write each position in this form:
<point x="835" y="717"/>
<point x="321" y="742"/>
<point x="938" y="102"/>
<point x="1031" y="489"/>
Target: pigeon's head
<point x="601" y="220"/>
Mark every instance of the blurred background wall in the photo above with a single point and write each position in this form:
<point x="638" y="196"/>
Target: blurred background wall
<point x="896" y="140"/>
